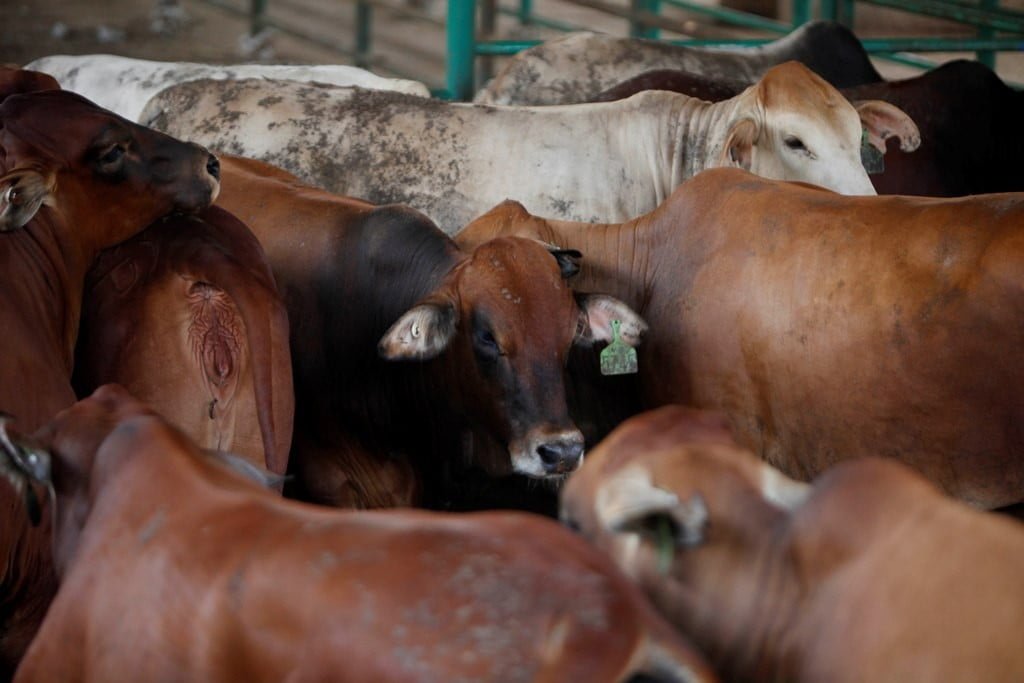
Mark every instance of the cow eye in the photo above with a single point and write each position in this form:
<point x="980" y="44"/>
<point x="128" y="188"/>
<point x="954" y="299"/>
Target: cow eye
<point x="110" y="159"/>
<point x="486" y="342"/>
<point x="795" y="143"/>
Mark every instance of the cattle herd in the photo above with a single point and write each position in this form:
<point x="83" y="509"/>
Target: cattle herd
<point x="300" y="365"/>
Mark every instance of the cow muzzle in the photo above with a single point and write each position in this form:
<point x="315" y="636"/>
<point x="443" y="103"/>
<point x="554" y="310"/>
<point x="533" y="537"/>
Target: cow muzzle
<point x="26" y="465"/>
<point x="544" y="454"/>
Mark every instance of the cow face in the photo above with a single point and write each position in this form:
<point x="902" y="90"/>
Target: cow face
<point x="793" y="125"/>
<point x="505" y="319"/>
<point x="680" y="507"/>
<point x="110" y="177"/>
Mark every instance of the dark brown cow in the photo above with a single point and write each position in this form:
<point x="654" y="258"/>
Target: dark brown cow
<point x="186" y="316"/>
<point x="105" y="179"/>
<point x="405" y="346"/>
<point x="869" y="574"/>
<point x="971" y="140"/>
<point x="826" y="327"/>
<point x="175" y="568"/>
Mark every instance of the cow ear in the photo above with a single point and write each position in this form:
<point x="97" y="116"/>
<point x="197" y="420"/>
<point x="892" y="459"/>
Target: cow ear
<point x="739" y="144"/>
<point x="22" y="192"/>
<point x="597" y="311"/>
<point x="631" y="503"/>
<point x="423" y="332"/>
<point x="882" y="121"/>
<point x="568" y="260"/>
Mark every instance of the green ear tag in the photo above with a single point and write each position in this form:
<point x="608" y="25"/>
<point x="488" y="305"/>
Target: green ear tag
<point x="618" y="358"/>
<point x="870" y="157"/>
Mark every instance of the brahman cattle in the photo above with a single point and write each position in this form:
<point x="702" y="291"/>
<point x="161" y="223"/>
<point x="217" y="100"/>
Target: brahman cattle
<point x="187" y="317"/>
<point x="174" y="568"/>
<point x="869" y="574"/>
<point x="576" y="67"/>
<point x="599" y="162"/>
<point x="945" y="102"/>
<point x="406" y="347"/>
<point x="124" y="85"/>
<point x="826" y="327"/>
<point x="105" y="179"/>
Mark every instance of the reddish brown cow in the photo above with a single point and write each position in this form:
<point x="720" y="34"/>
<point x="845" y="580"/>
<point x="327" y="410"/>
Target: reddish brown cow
<point x="175" y="568"/>
<point x="869" y="574"/>
<point x="403" y="345"/>
<point x="826" y="327"/>
<point x="971" y="141"/>
<point x="105" y="179"/>
<point x="186" y="316"/>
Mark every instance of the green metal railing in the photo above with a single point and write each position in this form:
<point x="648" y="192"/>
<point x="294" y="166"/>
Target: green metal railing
<point x="645" y="22"/>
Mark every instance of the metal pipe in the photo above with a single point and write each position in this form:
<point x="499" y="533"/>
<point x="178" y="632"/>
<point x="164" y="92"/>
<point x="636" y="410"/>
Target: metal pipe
<point x="461" y="42"/>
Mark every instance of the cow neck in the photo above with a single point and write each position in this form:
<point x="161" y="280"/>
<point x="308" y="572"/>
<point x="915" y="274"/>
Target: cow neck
<point x="703" y="129"/>
<point x="749" y="629"/>
<point x="56" y="269"/>
<point x="617" y="257"/>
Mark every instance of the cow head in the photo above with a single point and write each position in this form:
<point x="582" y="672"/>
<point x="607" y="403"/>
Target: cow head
<point x="685" y="511"/>
<point x="505" y="319"/>
<point x="109" y="177"/>
<point x="792" y="125"/>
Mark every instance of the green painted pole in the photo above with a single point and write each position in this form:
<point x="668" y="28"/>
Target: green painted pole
<point x="638" y="29"/>
<point x="257" y="16"/>
<point x="801" y="12"/>
<point x="461" y="48"/>
<point x="525" y="12"/>
<point x="987" y="57"/>
<point x="364" y="19"/>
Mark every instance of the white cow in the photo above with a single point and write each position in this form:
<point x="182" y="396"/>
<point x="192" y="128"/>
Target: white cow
<point x="604" y="162"/>
<point x="124" y="85"/>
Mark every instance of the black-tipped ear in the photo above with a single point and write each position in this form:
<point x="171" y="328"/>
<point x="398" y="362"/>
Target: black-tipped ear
<point x="568" y="261"/>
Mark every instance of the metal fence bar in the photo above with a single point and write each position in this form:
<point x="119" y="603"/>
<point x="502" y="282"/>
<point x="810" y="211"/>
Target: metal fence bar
<point x="638" y="28"/>
<point x="462" y="48"/>
<point x="999" y="20"/>
<point x="364" y="17"/>
<point x="987" y="57"/>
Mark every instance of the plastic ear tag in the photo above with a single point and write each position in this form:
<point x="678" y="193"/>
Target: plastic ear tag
<point x="870" y="157"/>
<point x="618" y="358"/>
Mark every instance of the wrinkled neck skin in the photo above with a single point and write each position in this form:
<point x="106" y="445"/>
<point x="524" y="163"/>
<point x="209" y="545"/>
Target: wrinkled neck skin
<point x="619" y="259"/>
<point x="704" y="127"/>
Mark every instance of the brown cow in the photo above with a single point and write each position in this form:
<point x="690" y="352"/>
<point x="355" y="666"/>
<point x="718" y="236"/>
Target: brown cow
<point x="969" y="120"/>
<point x="826" y="327"/>
<point x="869" y="574"/>
<point x="105" y="179"/>
<point x="404" y="345"/>
<point x="175" y="568"/>
<point x="186" y="316"/>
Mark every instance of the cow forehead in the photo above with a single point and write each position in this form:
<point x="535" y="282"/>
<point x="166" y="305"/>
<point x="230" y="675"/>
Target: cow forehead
<point x="792" y="91"/>
<point x="518" y="280"/>
<point x="58" y="118"/>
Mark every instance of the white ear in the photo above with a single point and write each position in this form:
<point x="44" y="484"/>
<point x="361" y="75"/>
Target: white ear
<point x="599" y="310"/>
<point x="780" y="490"/>
<point x="629" y="497"/>
<point x="423" y="332"/>
<point x="22" y="192"/>
<point x="629" y="501"/>
<point x="738" y="150"/>
<point x="882" y="121"/>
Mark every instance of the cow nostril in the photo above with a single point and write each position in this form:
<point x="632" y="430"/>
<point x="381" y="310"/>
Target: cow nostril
<point x="213" y="167"/>
<point x="560" y="456"/>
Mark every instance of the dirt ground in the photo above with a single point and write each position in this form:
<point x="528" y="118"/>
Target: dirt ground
<point x="403" y="43"/>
